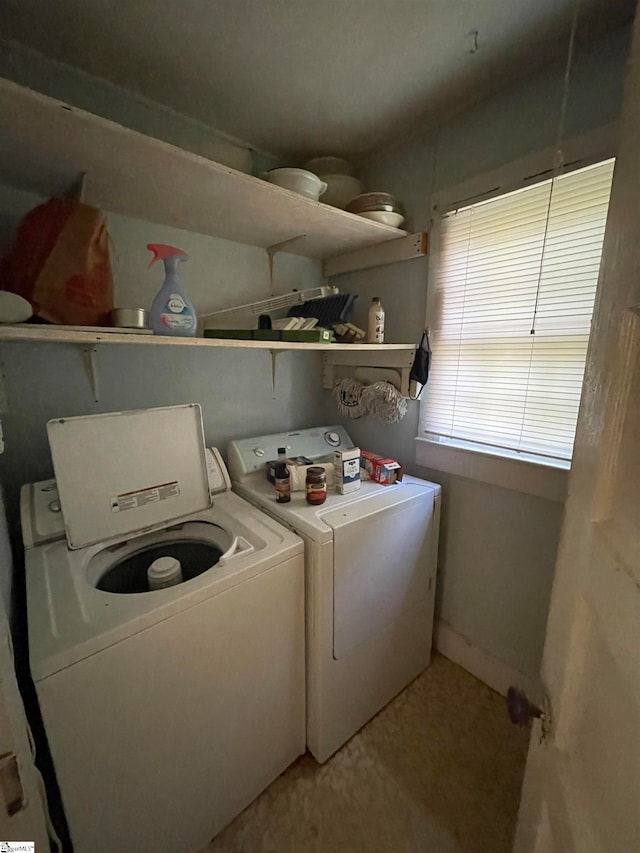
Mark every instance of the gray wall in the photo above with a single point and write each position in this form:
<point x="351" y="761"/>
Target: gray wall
<point x="498" y="546"/>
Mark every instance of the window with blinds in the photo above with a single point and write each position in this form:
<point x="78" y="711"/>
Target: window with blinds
<point x="515" y="288"/>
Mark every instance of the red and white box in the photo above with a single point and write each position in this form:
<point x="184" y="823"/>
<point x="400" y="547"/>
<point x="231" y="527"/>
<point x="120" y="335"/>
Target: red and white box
<point x="381" y="470"/>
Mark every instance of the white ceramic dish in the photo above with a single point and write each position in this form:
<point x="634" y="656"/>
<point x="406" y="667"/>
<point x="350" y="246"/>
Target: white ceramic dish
<point x="323" y="166"/>
<point x="374" y="201"/>
<point x="386" y="217"/>
<point x="341" y="189"/>
<point x="13" y="308"/>
<point x="299" y="181"/>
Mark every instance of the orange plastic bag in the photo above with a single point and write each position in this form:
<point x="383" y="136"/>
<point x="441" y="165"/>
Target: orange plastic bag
<point x="60" y="263"/>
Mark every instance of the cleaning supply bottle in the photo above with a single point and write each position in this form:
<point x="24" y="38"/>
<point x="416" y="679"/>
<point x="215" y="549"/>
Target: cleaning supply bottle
<point x="375" y="325"/>
<point x="172" y="312"/>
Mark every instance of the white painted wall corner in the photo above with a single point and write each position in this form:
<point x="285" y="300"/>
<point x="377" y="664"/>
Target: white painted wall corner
<point x="480" y="663"/>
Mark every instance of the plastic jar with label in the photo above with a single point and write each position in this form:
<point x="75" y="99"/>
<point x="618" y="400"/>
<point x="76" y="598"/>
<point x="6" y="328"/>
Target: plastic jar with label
<point x="316" y="486"/>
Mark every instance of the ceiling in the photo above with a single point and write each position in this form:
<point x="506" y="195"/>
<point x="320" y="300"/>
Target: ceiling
<point x="305" y="77"/>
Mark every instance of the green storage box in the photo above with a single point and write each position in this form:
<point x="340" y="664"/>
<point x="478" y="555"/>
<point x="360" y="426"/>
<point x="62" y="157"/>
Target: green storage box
<point x="266" y="335"/>
<point x="308" y="336"/>
<point x="232" y="334"/>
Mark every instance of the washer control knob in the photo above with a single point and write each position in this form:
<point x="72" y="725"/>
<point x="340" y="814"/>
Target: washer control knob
<point x="258" y="451"/>
<point x="54" y="506"/>
<point x="332" y="438"/>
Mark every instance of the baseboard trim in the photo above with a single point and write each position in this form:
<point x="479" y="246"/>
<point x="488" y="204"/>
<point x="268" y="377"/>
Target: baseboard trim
<point x="481" y="664"/>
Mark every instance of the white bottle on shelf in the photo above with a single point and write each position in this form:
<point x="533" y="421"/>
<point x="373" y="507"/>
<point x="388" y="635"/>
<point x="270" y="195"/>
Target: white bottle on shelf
<point x="375" y="326"/>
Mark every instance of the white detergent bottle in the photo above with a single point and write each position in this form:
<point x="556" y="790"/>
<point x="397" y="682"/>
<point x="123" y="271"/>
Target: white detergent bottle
<point x="172" y="312"/>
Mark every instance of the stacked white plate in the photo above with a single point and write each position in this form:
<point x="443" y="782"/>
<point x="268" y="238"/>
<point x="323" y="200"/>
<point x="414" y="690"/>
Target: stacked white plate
<point x="380" y="207"/>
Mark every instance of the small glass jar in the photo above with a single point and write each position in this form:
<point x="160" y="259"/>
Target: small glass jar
<point x="316" y="486"/>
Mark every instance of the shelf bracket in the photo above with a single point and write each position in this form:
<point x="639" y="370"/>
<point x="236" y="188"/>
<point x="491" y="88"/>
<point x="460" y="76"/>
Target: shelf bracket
<point x="272" y="251"/>
<point x="78" y="189"/>
<point x="346" y="363"/>
<point x="90" y="355"/>
<point x="274" y="354"/>
<point x="282" y="246"/>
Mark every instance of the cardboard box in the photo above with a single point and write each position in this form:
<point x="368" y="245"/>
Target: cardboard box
<point x="346" y="464"/>
<point x="381" y="470"/>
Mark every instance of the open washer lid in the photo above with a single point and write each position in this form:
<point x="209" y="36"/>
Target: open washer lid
<point x="123" y="472"/>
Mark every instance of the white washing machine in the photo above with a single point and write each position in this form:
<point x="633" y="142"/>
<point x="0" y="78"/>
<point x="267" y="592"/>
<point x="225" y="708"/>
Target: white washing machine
<point x="370" y="560"/>
<point x="166" y="711"/>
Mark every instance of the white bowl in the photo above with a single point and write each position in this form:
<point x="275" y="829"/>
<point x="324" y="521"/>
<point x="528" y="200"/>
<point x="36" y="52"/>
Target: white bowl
<point x="297" y="180"/>
<point x="341" y="189"/>
<point x="386" y="217"/>
<point x="322" y="166"/>
<point x="13" y="308"/>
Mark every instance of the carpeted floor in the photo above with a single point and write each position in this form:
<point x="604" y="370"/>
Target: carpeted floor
<point x="437" y="771"/>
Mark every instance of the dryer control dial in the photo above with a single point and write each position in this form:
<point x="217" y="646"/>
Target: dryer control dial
<point x="258" y="451"/>
<point x="332" y="438"/>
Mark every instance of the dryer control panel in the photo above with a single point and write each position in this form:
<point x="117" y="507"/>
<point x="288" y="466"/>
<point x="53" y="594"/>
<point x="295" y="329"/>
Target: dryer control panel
<point x="249" y="455"/>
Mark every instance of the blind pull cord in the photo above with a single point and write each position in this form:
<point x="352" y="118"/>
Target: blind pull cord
<point x="559" y="153"/>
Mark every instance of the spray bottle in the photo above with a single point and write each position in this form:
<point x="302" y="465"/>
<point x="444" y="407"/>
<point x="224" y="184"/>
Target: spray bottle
<point x="172" y="312"/>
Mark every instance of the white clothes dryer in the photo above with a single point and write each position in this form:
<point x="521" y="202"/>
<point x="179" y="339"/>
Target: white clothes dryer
<point x="370" y="559"/>
<point x="166" y="711"/>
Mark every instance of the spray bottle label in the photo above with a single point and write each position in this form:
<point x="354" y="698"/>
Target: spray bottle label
<point x="176" y="303"/>
<point x="176" y="314"/>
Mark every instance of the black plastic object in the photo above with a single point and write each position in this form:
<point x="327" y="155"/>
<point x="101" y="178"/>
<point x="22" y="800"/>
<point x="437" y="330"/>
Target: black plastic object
<point x="420" y="369"/>
<point x="329" y="310"/>
<point x="130" y="575"/>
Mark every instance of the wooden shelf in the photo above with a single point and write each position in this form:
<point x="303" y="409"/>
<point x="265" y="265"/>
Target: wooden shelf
<point x="399" y="356"/>
<point x="53" y="334"/>
<point x="45" y="145"/>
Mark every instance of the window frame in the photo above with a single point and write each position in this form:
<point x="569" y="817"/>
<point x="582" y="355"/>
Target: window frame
<point x="539" y="476"/>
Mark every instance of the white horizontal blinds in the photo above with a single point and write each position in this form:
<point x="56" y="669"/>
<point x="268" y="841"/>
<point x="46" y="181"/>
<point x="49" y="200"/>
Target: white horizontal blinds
<point x="524" y="261"/>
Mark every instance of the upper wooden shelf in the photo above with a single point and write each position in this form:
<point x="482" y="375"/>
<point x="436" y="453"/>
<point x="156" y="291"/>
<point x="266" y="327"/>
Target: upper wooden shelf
<point x="45" y="145"/>
<point x="60" y="334"/>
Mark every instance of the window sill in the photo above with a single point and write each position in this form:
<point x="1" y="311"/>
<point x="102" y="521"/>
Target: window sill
<point x="533" y="477"/>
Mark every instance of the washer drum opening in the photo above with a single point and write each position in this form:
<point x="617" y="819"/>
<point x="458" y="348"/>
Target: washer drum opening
<point x="129" y="575"/>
